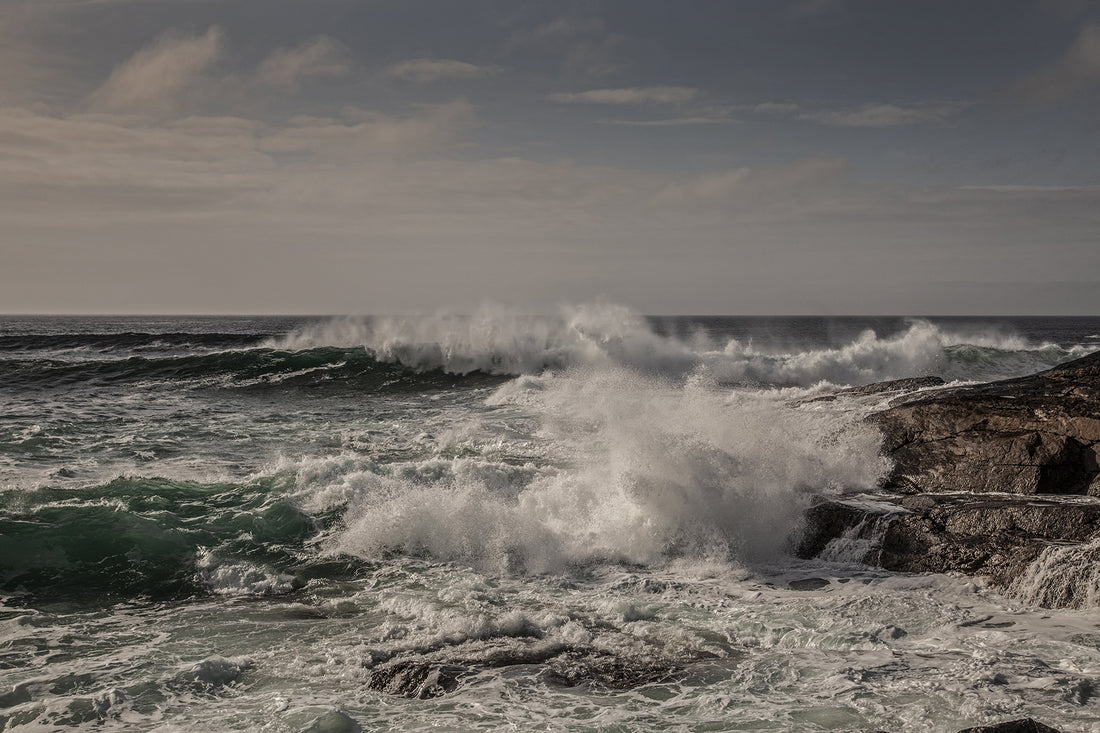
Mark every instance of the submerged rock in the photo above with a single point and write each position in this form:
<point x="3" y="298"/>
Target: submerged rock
<point x="993" y="479"/>
<point x="423" y="676"/>
<point x="590" y="666"/>
<point x="335" y="721"/>
<point x="417" y="678"/>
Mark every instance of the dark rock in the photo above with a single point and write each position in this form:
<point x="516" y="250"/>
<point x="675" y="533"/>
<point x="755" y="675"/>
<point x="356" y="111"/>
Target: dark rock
<point x="1031" y="435"/>
<point x="424" y="677"/>
<point x="576" y="667"/>
<point x="995" y="479"/>
<point x="417" y="678"/>
<point x="992" y="535"/>
<point x="1023" y="725"/>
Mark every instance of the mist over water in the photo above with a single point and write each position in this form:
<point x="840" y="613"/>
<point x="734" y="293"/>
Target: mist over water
<point x="240" y="523"/>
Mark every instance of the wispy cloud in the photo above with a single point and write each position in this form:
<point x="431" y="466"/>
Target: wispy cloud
<point x="556" y="31"/>
<point x="586" y="49"/>
<point x="877" y="114"/>
<point x="158" y="77"/>
<point x="1076" y="69"/>
<point x="367" y="133"/>
<point x="630" y="96"/>
<point x="778" y="108"/>
<point x="320" y="56"/>
<point x="428" y="70"/>
<point x="671" y="121"/>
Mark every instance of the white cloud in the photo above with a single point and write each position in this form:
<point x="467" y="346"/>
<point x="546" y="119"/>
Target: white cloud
<point x="630" y="96"/>
<point x="160" y="76"/>
<point x="319" y="56"/>
<point x="427" y="70"/>
<point x="1076" y="69"/>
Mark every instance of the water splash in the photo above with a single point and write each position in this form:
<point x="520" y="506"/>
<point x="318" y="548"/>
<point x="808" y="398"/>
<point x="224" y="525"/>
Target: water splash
<point x="643" y="471"/>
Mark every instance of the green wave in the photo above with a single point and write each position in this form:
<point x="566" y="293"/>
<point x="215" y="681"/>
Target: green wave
<point x="142" y="538"/>
<point x="257" y="368"/>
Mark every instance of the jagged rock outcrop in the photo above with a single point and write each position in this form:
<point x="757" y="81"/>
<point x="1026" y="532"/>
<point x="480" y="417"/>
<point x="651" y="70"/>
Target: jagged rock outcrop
<point x="1032" y="435"/>
<point x="997" y="536"/>
<point x="986" y="478"/>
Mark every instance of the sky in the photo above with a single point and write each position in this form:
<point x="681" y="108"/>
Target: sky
<point x="678" y="156"/>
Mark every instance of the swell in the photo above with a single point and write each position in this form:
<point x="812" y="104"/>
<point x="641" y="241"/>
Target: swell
<point x="127" y="340"/>
<point x="250" y="368"/>
<point x="153" y="538"/>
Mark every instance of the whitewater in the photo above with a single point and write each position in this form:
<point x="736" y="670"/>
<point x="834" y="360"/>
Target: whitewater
<point x="493" y="520"/>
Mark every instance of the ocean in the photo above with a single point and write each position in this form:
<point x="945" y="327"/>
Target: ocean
<point x="572" y="522"/>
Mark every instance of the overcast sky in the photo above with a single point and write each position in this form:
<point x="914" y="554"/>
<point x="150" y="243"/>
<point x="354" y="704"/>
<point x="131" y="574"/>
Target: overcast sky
<point x="398" y="156"/>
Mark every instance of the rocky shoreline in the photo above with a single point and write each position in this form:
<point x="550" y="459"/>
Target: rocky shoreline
<point x="999" y="480"/>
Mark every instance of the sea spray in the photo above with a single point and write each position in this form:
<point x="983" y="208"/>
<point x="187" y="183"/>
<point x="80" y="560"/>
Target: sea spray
<point x="643" y="470"/>
<point x="503" y="341"/>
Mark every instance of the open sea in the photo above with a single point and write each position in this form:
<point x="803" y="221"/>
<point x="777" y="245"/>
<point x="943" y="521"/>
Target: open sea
<point x="577" y="522"/>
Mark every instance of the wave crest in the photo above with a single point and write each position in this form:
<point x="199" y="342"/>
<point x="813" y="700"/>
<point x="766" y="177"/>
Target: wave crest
<point x="502" y="341"/>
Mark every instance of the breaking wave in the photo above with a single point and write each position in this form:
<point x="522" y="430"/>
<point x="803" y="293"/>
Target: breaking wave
<point x="500" y="341"/>
<point x="642" y="471"/>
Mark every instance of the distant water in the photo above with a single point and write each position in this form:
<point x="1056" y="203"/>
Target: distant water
<point x="577" y="522"/>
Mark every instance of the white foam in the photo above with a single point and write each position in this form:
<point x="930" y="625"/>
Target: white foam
<point x="643" y="470"/>
<point x="239" y="578"/>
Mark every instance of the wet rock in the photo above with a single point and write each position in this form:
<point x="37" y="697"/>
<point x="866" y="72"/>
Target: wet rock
<point x="577" y="667"/>
<point x="1023" y="725"/>
<point x="417" y="678"/>
<point x="986" y="480"/>
<point x="977" y="534"/>
<point x="1032" y="435"/>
